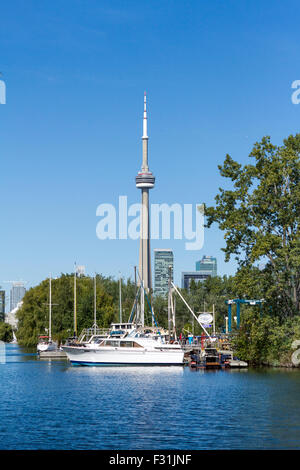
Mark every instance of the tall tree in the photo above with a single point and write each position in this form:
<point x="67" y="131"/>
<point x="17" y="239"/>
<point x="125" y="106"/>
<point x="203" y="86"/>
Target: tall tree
<point x="33" y="316"/>
<point x="260" y="216"/>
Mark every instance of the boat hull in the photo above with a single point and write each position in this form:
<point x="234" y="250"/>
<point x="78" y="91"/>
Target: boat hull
<point x="43" y="347"/>
<point x="104" y="357"/>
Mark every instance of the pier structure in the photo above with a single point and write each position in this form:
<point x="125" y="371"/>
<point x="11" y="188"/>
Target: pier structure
<point x="238" y="303"/>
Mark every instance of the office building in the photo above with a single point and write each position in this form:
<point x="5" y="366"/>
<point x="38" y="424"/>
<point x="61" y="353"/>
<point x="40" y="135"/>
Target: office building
<point x="17" y="293"/>
<point x="188" y="276"/>
<point x="163" y="258"/>
<point x="2" y="305"/>
<point x="207" y="266"/>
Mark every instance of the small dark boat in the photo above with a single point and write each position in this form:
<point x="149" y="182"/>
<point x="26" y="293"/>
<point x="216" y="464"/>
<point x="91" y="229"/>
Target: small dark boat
<point x="211" y="358"/>
<point x="194" y="362"/>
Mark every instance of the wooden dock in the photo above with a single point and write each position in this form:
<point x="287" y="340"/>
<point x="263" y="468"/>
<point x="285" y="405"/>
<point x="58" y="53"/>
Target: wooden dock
<point x="52" y="355"/>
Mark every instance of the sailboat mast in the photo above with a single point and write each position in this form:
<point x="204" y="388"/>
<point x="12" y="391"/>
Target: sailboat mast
<point x="142" y="313"/>
<point x="75" y="312"/>
<point x="50" y="309"/>
<point x="95" y="306"/>
<point x="120" y="298"/>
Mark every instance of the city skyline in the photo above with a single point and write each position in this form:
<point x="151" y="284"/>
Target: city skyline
<point x="70" y="128"/>
<point x="204" y="268"/>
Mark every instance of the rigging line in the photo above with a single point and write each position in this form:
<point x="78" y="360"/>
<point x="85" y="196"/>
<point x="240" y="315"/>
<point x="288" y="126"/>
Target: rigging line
<point x="134" y="306"/>
<point x="148" y="303"/>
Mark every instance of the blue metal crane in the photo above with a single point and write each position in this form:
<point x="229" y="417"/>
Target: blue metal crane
<point x="238" y="303"/>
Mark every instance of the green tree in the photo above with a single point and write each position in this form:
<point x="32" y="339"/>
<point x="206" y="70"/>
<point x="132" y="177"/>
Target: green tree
<point x="266" y="340"/>
<point x="6" y="332"/>
<point x="33" y="316"/>
<point x="260" y="216"/>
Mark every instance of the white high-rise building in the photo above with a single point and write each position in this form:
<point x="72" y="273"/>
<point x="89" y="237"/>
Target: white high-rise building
<point x="17" y="293"/>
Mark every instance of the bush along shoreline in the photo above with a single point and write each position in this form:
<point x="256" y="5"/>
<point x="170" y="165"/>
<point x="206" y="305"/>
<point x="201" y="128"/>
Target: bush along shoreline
<point x="6" y="332"/>
<point x="267" y="341"/>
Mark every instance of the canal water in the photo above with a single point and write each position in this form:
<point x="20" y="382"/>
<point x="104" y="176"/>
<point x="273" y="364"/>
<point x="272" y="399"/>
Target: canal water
<point x="52" y="405"/>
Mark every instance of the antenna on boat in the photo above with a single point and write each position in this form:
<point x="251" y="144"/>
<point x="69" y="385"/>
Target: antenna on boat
<point x="75" y="312"/>
<point x="50" y="308"/>
<point x="142" y="312"/>
<point x="171" y="307"/>
<point x="136" y="305"/>
<point x="185" y="302"/>
<point x="120" y="297"/>
<point x="143" y="295"/>
<point x="169" y="300"/>
<point x="135" y="279"/>
<point x="95" y="326"/>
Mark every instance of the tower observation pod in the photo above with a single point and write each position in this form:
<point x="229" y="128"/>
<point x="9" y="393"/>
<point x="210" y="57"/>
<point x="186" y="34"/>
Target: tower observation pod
<point x="144" y="181"/>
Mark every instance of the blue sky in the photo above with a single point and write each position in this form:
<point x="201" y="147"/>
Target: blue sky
<point x="218" y="77"/>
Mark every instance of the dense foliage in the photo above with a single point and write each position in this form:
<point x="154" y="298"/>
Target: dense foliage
<point x="6" y="333"/>
<point x="34" y="314"/>
<point x="260" y="216"/>
<point x="266" y="340"/>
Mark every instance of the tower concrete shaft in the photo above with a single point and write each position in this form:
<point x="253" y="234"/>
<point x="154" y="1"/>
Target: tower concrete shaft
<point x="145" y="181"/>
<point x="145" y="253"/>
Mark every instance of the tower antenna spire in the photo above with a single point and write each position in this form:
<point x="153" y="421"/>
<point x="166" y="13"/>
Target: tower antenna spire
<point x="144" y="181"/>
<point x="145" y="135"/>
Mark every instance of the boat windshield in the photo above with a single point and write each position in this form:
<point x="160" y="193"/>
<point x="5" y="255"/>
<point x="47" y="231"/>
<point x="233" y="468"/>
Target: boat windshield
<point x="132" y="333"/>
<point x="97" y="339"/>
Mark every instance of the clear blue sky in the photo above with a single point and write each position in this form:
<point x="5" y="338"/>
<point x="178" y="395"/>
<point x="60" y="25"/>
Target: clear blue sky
<point x="218" y="76"/>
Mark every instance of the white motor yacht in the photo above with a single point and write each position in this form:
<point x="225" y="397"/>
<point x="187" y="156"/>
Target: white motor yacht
<point x="136" y="348"/>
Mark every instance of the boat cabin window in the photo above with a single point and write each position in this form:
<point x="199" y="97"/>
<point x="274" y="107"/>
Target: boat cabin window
<point x="114" y="344"/>
<point x="130" y="344"/>
<point x="126" y="344"/>
<point x="122" y="344"/>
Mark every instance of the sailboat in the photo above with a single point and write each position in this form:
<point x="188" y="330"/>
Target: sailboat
<point x="45" y="342"/>
<point x="14" y="340"/>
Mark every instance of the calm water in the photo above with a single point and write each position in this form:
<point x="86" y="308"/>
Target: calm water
<point x="52" y="405"/>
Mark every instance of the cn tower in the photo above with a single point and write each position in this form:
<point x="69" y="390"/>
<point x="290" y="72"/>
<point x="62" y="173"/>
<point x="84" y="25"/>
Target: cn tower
<point x="145" y="181"/>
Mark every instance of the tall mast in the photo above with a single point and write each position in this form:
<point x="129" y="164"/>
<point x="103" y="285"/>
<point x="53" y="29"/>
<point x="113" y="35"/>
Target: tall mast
<point x="50" y="309"/>
<point x="169" y="301"/>
<point x="120" y="298"/>
<point x="75" y="310"/>
<point x="95" y="305"/>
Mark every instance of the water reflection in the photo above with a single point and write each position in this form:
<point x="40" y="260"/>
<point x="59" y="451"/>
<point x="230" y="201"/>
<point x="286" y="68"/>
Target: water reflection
<point x="145" y="407"/>
<point x="125" y="371"/>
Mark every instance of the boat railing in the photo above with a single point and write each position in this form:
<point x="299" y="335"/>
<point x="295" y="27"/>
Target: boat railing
<point x="87" y="333"/>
